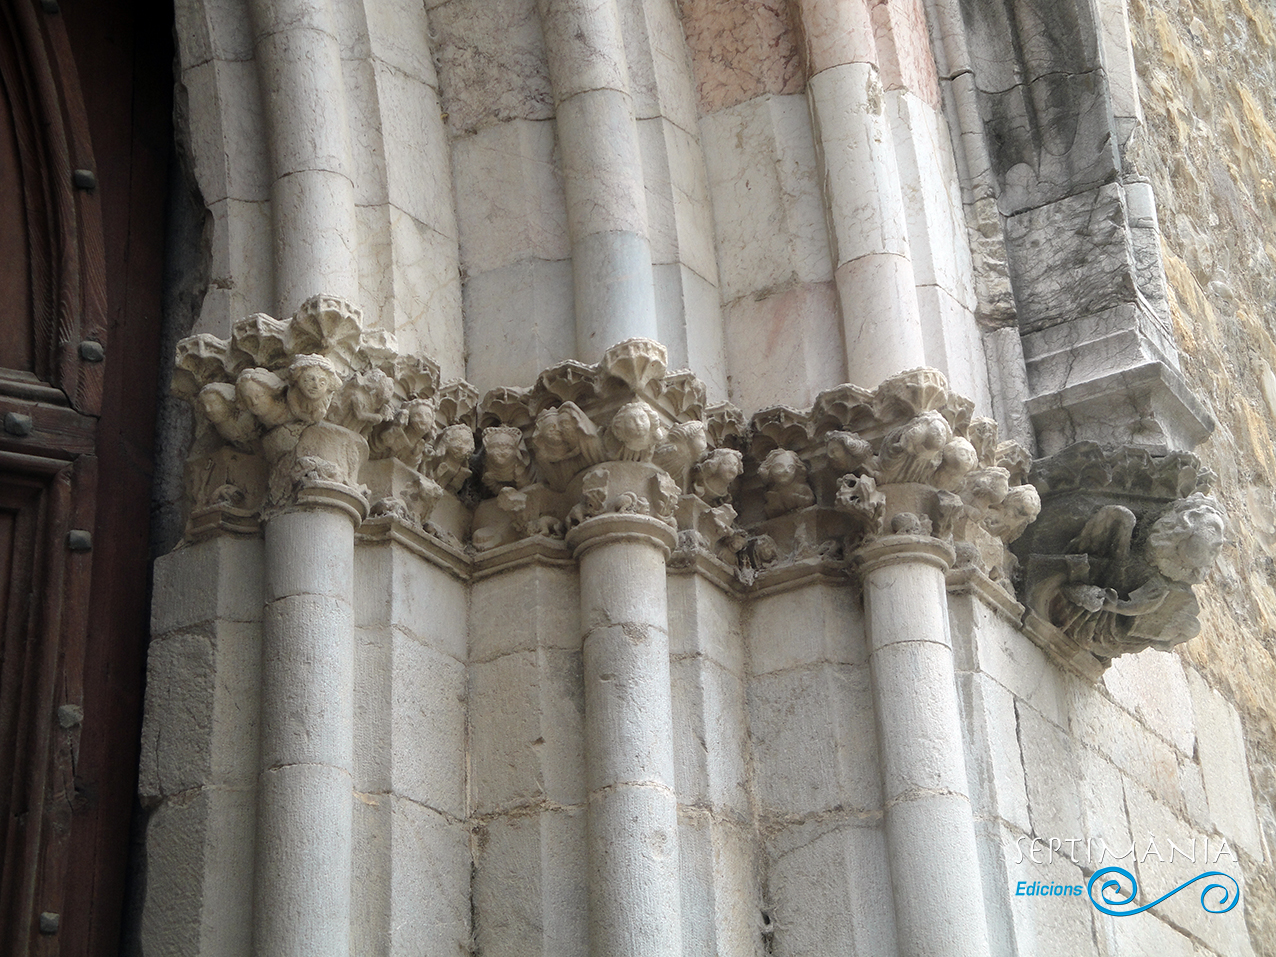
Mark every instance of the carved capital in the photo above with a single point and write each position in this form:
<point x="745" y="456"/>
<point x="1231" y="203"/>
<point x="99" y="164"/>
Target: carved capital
<point x="306" y="402"/>
<point x="905" y="458"/>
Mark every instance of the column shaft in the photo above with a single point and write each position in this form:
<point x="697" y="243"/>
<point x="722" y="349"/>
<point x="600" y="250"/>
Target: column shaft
<point x="603" y="178"/>
<point x="634" y="894"/>
<point x="862" y="192"/>
<point x="930" y="832"/>
<point x="312" y="193"/>
<point x="305" y="814"/>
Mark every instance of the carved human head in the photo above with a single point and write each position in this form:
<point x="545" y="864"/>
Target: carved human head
<point x="314" y="377"/>
<point x="553" y="436"/>
<point x="636" y="426"/>
<point x="725" y="465"/>
<point x="500" y="445"/>
<point x="258" y="388"/>
<point x="781" y="468"/>
<point x="261" y="392"/>
<point x="420" y="416"/>
<point x="1186" y="540"/>
<point x="457" y="442"/>
<point x="217" y="401"/>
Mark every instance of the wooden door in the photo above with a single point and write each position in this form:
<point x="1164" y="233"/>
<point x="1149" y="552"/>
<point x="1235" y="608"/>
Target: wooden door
<point x="84" y="144"/>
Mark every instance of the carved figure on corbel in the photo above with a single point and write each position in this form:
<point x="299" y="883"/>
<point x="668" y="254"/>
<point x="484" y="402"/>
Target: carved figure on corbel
<point x="683" y="447"/>
<point x="312" y="383"/>
<point x="1111" y="566"/>
<point x="413" y="504"/>
<point x="261" y="392"/>
<point x="364" y="402"/>
<point x="593" y="497"/>
<point x="526" y="509"/>
<point x="1116" y="602"/>
<point x="858" y="498"/>
<point x="407" y="434"/>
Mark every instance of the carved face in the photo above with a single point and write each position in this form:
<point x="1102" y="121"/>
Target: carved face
<point x="725" y="465"/>
<point x="782" y="468"/>
<point x="501" y="448"/>
<point x="312" y="383"/>
<point x="633" y="425"/>
<point x="258" y="395"/>
<point x="420" y="417"/>
<point x="217" y="402"/>
<point x="1185" y="541"/>
<point x="551" y="439"/>
<point x="458" y="442"/>
<point x="1208" y="538"/>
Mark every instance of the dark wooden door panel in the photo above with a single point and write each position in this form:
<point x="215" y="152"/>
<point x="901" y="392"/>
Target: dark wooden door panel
<point x="80" y="257"/>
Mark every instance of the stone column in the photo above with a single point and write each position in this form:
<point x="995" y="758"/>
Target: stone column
<point x="939" y="906"/>
<point x="634" y="894"/>
<point x="312" y="192"/>
<point x="305" y="815"/>
<point x="866" y="212"/>
<point x="603" y="178"/>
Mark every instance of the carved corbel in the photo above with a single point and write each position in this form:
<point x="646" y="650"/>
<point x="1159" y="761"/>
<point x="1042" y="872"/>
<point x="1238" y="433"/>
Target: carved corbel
<point x="1122" y="536"/>
<point x="564" y="441"/>
<point x="683" y="447"/>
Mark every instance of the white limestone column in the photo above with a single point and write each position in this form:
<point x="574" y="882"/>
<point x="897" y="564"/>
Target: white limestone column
<point x="866" y="213"/>
<point x="603" y="180"/>
<point x="634" y="894"/>
<point x="305" y="814"/>
<point x="312" y="192"/>
<point x="930" y="833"/>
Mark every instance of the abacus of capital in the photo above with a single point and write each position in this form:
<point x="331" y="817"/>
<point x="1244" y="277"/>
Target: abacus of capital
<point x="319" y="437"/>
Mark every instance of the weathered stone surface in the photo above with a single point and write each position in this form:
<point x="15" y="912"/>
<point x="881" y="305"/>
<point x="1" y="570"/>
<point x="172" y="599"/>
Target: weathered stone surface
<point x="492" y="63"/>
<point x="742" y="50"/>
<point x="995" y="762"/>
<point x="765" y="185"/>
<point x="711" y="732"/>
<point x="216" y="580"/>
<point x="720" y="893"/>
<point x="199" y="856"/>
<point x="829" y="889"/>
<point x="1049" y="762"/>
<point x="526" y="730"/>
<point x="1224" y="769"/>
<point x="1153" y="688"/>
<point x="1223" y="933"/>
<point x="521" y="862"/>
<point x="207" y="682"/>
<point x="816" y="722"/>
<point x="1071" y="258"/>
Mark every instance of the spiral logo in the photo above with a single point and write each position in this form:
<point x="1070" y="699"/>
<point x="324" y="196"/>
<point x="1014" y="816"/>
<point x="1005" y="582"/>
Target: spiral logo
<point x="1119" y="899"/>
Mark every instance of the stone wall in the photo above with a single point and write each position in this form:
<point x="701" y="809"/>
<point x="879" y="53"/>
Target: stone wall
<point x="1205" y="75"/>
